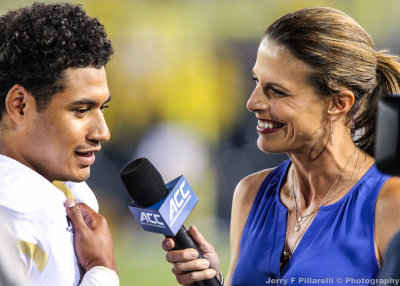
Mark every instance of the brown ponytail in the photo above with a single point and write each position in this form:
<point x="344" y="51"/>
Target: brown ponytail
<point x="388" y="79"/>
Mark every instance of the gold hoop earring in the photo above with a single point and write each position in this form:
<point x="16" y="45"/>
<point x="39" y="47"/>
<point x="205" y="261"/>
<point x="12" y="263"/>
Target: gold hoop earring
<point x="331" y="133"/>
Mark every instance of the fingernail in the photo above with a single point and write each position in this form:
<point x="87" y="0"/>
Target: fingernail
<point x="70" y="203"/>
<point x="194" y="254"/>
<point x="212" y="273"/>
<point x="206" y="263"/>
<point x="168" y="244"/>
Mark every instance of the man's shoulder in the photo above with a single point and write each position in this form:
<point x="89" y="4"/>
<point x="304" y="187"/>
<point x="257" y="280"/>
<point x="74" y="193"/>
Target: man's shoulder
<point x="22" y="189"/>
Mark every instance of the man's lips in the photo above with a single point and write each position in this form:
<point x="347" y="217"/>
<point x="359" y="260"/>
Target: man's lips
<point x="87" y="158"/>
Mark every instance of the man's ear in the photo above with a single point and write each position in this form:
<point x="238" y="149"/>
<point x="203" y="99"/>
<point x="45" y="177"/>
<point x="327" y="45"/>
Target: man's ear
<point x="340" y="105"/>
<point x="18" y="101"/>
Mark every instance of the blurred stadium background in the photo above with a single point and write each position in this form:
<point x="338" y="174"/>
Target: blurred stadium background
<point x="180" y="78"/>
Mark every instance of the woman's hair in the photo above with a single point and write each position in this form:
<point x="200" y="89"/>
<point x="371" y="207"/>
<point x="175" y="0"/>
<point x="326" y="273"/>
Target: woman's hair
<point x="341" y="56"/>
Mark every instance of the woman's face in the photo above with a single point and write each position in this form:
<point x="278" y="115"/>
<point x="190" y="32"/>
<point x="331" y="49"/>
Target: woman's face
<point x="291" y="116"/>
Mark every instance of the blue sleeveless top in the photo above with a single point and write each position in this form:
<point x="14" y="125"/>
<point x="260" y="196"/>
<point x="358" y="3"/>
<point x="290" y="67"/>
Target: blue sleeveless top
<point x="337" y="248"/>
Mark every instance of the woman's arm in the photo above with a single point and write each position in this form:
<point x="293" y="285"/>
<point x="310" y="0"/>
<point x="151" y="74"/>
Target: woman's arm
<point x="243" y="199"/>
<point x="187" y="267"/>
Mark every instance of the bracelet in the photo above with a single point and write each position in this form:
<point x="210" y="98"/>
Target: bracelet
<point x="221" y="276"/>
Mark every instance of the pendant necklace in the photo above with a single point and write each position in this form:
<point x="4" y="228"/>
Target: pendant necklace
<point x="301" y="218"/>
<point x="288" y="251"/>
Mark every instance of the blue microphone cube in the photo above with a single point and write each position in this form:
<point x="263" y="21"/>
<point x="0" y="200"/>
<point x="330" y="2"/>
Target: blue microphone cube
<point x="168" y="215"/>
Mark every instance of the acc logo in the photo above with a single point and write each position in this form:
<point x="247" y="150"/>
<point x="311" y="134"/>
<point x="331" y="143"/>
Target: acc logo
<point x="150" y="218"/>
<point x="178" y="202"/>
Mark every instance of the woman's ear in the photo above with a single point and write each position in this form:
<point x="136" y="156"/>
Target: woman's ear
<point x="17" y="101"/>
<point x="340" y="104"/>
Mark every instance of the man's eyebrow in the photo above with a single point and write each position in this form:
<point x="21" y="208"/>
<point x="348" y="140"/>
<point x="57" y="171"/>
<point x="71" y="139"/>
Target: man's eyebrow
<point x="88" y="101"/>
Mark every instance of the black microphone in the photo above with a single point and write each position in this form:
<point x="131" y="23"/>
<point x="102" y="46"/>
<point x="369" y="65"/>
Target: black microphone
<point x="147" y="188"/>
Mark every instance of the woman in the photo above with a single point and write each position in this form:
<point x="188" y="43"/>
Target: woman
<point x="326" y="213"/>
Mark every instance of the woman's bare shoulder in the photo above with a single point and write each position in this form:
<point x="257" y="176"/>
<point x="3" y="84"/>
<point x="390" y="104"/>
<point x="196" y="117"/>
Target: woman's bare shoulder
<point x="243" y="198"/>
<point x="247" y="188"/>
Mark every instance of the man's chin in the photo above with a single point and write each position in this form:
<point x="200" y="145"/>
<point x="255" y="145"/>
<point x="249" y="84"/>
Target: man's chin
<point x="81" y="176"/>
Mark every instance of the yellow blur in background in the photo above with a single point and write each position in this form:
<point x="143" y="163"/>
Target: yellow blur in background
<point x="180" y="78"/>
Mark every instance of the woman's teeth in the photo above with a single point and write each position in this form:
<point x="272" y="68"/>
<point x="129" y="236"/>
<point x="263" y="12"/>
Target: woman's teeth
<point x="269" y="125"/>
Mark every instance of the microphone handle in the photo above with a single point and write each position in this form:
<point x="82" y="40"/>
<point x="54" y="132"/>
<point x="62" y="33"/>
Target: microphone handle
<point x="182" y="241"/>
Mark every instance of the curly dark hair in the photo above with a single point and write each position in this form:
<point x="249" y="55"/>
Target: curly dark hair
<point x="38" y="43"/>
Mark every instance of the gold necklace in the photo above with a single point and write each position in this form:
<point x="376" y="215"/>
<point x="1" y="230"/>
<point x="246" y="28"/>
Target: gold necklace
<point x="350" y="181"/>
<point x="288" y="251"/>
<point x="301" y="218"/>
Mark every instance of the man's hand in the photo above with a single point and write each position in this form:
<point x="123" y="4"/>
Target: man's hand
<point x="92" y="237"/>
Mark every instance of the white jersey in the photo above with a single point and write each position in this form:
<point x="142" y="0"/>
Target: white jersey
<point x="11" y="270"/>
<point x="34" y="209"/>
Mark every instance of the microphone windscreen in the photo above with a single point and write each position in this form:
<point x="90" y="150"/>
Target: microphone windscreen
<point x="143" y="182"/>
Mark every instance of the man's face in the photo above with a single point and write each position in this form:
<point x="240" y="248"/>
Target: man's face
<point x="61" y="142"/>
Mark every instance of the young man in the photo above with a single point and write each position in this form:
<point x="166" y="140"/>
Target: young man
<point x="53" y="91"/>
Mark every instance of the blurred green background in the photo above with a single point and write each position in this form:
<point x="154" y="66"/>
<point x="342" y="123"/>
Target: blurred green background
<point x="180" y="78"/>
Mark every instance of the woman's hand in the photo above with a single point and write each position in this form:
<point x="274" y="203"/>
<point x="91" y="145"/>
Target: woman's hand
<point x="186" y="265"/>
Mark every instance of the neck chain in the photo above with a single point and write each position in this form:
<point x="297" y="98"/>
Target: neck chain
<point x="350" y="180"/>
<point x="301" y="218"/>
<point x="287" y="252"/>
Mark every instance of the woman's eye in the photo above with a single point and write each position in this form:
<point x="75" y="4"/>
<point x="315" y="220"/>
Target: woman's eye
<point x="255" y="80"/>
<point x="278" y="92"/>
